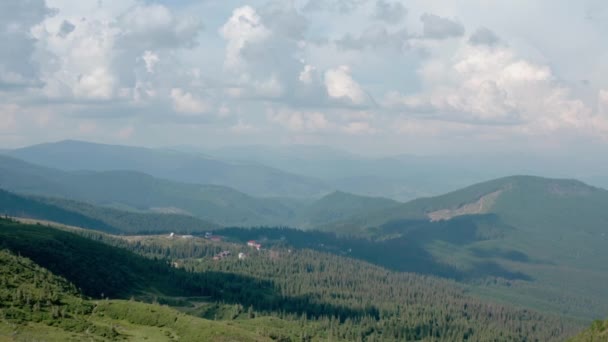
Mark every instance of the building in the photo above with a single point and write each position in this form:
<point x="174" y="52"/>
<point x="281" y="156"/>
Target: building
<point x="254" y="244"/>
<point x="222" y="255"/>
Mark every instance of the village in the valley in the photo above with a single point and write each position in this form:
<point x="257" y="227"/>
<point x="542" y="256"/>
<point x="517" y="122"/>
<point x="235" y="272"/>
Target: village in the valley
<point x="251" y="244"/>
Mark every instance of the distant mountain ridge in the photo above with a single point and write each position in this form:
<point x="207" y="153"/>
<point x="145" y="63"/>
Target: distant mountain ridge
<point x="509" y="196"/>
<point x="109" y="220"/>
<point x="132" y="190"/>
<point x="251" y="178"/>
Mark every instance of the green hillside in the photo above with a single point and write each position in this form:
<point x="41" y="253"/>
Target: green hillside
<point x="250" y="178"/>
<point x="529" y="200"/>
<point x="338" y="206"/>
<point x="36" y="305"/>
<point x="553" y="232"/>
<point x="324" y="296"/>
<point x="598" y="332"/>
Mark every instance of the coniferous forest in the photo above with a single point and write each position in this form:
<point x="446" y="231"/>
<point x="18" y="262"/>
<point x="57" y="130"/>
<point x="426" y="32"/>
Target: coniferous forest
<point x="74" y="281"/>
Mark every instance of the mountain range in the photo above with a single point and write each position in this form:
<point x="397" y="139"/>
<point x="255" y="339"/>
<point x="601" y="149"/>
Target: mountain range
<point x="532" y="241"/>
<point x="135" y="191"/>
<point x="251" y="178"/>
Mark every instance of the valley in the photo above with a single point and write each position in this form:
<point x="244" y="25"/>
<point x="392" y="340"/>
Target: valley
<point x="531" y="246"/>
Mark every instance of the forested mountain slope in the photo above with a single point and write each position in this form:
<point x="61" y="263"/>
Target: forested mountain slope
<point x="143" y="192"/>
<point x="533" y="201"/>
<point x="324" y="295"/>
<point x="553" y="231"/>
<point x="36" y="305"/>
<point x="216" y="204"/>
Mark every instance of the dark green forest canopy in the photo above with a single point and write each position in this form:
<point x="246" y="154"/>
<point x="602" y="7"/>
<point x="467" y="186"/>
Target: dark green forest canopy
<point x="284" y="284"/>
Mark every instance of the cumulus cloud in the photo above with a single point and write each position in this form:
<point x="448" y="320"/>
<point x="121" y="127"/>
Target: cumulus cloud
<point x="155" y="26"/>
<point x="244" y="27"/>
<point x="307" y="74"/>
<point x="389" y="12"/>
<point x="494" y="86"/>
<point x="145" y="60"/>
<point x="150" y="59"/>
<point x="484" y="36"/>
<point x="282" y="17"/>
<point x="436" y="27"/>
<point x="82" y="66"/>
<point x="341" y="86"/>
<point x="186" y="103"/>
<point x="98" y="58"/>
<point x="17" y="68"/>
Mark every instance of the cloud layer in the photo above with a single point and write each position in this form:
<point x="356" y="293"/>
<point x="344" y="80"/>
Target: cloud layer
<point x="340" y="72"/>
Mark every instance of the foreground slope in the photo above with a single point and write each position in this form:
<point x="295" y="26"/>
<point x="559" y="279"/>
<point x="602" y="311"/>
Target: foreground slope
<point x="293" y="294"/>
<point x="37" y="305"/>
<point x="250" y="178"/>
<point x="598" y="332"/>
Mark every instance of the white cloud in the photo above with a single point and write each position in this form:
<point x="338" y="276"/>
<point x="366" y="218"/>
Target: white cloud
<point x="142" y="60"/>
<point x="340" y="85"/>
<point x="98" y="83"/>
<point x="493" y="85"/>
<point x="150" y="59"/>
<point x="307" y="74"/>
<point x="96" y="56"/>
<point x="185" y="102"/>
<point x="155" y="26"/>
<point x="244" y="27"/>
<point x="17" y="69"/>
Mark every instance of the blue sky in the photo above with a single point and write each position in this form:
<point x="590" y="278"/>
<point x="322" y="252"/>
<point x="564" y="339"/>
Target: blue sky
<point x="374" y="76"/>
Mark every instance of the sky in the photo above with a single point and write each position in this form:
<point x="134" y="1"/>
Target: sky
<point x="369" y="76"/>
